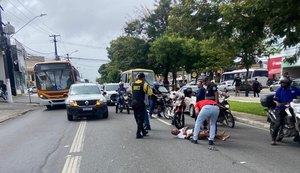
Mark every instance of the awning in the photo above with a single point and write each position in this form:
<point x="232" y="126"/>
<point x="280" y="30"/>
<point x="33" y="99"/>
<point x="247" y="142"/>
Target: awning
<point x="274" y="71"/>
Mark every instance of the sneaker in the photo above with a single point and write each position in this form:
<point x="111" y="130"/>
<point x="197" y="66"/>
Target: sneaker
<point x="194" y="141"/>
<point x="210" y="142"/>
<point x="147" y="127"/>
<point x="139" y="136"/>
<point x="145" y="133"/>
<point x="273" y="142"/>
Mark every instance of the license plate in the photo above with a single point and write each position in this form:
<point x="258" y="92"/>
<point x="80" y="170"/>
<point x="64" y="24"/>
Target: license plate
<point x="87" y="109"/>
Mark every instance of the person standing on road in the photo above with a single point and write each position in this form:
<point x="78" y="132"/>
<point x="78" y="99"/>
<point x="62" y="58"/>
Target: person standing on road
<point x="201" y="92"/>
<point x="139" y="89"/>
<point x="3" y="87"/>
<point x="206" y="109"/>
<point x="256" y="87"/>
<point x="237" y="81"/>
<point x="211" y="90"/>
<point x="283" y="96"/>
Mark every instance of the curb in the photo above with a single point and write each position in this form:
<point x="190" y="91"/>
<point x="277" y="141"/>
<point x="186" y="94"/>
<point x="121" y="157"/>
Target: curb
<point x="19" y="114"/>
<point x="249" y="121"/>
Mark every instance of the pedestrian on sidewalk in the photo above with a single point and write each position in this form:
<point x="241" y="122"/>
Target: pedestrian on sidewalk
<point x="256" y="87"/>
<point x="237" y="81"/>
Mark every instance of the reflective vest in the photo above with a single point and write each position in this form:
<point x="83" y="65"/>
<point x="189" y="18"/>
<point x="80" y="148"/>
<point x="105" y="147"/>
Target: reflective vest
<point x="138" y="93"/>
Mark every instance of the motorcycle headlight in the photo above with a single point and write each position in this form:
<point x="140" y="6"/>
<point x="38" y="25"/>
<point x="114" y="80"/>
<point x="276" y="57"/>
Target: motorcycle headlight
<point x="73" y="103"/>
<point x="227" y="106"/>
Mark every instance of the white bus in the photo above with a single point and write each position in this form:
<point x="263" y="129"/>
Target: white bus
<point x="259" y="73"/>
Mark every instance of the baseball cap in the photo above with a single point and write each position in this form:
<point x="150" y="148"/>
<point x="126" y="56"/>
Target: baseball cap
<point x="141" y="75"/>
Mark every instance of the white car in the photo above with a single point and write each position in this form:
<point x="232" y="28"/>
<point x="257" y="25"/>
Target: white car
<point x="111" y="94"/>
<point x="189" y="101"/>
<point x="226" y="86"/>
<point x="85" y="100"/>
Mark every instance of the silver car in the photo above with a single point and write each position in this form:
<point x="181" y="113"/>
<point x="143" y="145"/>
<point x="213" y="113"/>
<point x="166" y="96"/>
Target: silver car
<point x="86" y="100"/>
<point x="274" y="86"/>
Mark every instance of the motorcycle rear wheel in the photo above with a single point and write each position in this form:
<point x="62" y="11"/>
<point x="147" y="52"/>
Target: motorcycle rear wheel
<point x="179" y="120"/>
<point x="229" y="120"/>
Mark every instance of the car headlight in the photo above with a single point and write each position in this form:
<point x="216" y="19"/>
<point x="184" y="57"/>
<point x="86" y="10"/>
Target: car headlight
<point x="73" y="103"/>
<point x="100" y="101"/>
<point x="42" y="96"/>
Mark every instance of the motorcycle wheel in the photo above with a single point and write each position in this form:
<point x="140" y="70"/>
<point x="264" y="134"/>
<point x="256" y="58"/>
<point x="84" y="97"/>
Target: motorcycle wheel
<point x="120" y="108"/>
<point x="229" y="120"/>
<point x="179" y="120"/>
<point x="192" y="111"/>
<point x="167" y="112"/>
<point x="127" y="107"/>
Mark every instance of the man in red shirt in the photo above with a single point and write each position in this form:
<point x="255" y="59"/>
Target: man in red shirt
<point x="206" y="109"/>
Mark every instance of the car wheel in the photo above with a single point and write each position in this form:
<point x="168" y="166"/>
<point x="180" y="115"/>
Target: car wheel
<point x="70" y="117"/>
<point x="49" y="107"/>
<point x="105" y="115"/>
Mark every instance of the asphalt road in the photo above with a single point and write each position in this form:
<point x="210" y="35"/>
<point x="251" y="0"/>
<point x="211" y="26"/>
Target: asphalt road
<point x="44" y="141"/>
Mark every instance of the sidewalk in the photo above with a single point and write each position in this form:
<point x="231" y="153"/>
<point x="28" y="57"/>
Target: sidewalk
<point x="20" y="106"/>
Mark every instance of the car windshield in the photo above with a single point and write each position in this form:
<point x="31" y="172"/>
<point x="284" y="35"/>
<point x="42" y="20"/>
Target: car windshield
<point x="83" y="89"/>
<point x="111" y="87"/>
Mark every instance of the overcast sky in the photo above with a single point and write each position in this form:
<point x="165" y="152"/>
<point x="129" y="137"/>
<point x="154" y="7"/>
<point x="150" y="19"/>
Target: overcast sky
<point x="85" y="27"/>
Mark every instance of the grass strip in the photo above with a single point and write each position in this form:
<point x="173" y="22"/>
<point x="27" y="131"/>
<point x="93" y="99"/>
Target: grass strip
<point x="247" y="107"/>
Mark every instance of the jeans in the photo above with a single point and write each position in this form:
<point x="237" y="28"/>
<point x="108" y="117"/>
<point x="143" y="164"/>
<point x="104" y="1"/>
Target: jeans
<point x="151" y="105"/>
<point x="211" y="112"/>
<point x="146" y="120"/>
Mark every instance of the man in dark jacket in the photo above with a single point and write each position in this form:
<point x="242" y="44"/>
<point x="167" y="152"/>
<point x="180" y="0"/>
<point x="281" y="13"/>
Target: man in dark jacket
<point x="237" y="81"/>
<point x="139" y="89"/>
<point x="256" y="87"/>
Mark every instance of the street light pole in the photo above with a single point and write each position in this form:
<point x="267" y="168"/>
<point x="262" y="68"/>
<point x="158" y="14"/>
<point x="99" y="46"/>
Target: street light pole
<point x="41" y="15"/>
<point x="68" y="54"/>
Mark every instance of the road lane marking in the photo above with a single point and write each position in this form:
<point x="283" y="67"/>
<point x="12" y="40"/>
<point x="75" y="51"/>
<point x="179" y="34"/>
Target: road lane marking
<point x="163" y="121"/>
<point x="72" y="164"/>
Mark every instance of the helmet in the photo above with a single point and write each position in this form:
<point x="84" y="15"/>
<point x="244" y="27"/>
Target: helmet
<point x="156" y="85"/>
<point x="188" y="91"/>
<point x="283" y="80"/>
<point x="141" y="75"/>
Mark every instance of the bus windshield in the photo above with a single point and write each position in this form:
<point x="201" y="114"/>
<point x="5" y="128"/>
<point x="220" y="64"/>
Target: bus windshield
<point x="149" y="76"/>
<point x="54" y="80"/>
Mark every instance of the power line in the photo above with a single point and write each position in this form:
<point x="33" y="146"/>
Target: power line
<point x="33" y="49"/>
<point x="90" y="59"/>
<point x="84" y="45"/>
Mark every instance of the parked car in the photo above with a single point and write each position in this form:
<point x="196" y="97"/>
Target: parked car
<point x="85" y="100"/>
<point x="274" y="86"/>
<point x="189" y="101"/>
<point x="111" y="92"/>
<point x="296" y="83"/>
<point x="226" y="86"/>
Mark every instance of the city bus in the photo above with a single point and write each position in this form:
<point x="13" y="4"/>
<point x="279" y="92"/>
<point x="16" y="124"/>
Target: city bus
<point x="128" y="77"/>
<point x="53" y="80"/>
<point x="259" y="73"/>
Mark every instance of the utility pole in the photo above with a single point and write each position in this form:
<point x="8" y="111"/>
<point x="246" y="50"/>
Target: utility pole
<point x="5" y="58"/>
<point x="54" y="39"/>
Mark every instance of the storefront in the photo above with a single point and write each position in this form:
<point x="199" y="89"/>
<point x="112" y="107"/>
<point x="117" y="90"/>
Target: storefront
<point x="292" y="69"/>
<point x="274" y="67"/>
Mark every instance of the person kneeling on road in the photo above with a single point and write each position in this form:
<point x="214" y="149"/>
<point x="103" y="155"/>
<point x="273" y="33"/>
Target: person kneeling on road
<point x="186" y="133"/>
<point x="206" y="109"/>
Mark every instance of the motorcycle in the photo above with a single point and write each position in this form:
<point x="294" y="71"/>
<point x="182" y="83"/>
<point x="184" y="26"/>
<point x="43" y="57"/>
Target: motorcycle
<point x="124" y="103"/>
<point x="291" y="127"/>
<point x="178" y="112"/>
<point x="225" y="115"/>
<point x="3" y="95"/>
<point x="162" y="106"/>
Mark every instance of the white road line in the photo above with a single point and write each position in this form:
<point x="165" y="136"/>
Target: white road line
<point x="164" y="122"/>
<point x="72" y="163"/>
